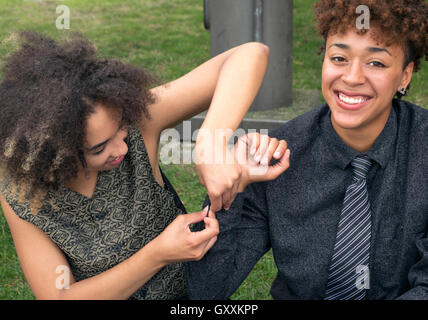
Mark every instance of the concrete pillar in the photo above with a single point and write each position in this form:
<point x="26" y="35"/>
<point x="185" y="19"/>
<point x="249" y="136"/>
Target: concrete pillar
<point x="233" y="22"/>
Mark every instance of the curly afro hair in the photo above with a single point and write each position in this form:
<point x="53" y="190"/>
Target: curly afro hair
<point x="48" y="91"/>
<point x="402" y="22"/>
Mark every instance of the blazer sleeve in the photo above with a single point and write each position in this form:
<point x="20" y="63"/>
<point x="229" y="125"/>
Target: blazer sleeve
<point x="242" y="241"/>
<point x="418" y="274"/>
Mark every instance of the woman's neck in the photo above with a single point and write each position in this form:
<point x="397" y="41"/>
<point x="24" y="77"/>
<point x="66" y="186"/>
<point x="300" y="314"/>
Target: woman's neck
<point x="84" y="183"/>
<point x="362" y="139"/>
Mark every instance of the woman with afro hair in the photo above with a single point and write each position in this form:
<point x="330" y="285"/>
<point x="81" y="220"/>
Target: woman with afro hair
<point x="349" y="218"/>
<point x="91" y="213"/>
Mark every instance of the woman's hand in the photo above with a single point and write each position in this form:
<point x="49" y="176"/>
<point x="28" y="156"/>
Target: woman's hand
<point x="177" y="243"/>
<point x="226" y="85"/>
<point x="225" y="173"/>
<point x="254" y="153"/>
<point x="218" y="171"/>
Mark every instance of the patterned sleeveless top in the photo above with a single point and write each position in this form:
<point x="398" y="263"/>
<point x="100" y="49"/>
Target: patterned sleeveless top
<point x="127" y="210"/>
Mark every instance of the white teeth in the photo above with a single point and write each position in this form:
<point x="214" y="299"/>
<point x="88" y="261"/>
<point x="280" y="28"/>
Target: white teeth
<point x="350" y="100"/>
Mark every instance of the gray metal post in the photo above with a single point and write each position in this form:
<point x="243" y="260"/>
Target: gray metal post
<point x="233" y="22"/>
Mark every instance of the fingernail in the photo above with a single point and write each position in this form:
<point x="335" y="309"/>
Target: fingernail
<point x="264" y="162"/>
<point x="257" y="157"/>
<point x="276" y="154"/>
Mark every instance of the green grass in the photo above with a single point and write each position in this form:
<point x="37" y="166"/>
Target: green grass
<point x="167" y="38"/>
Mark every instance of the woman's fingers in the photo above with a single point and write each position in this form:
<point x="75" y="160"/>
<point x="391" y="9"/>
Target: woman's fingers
<point x="211" y="226"/>
<point x="253" y="141"/>
<point x="216" y="201"/>
<point x="228" y="197"/>
<point x="206" y="238"/>
<point x="191" y="218"/>
<point x="280" y="150"/>
<point x="268" y="148"/>
<point x="234" y="193"/>
<point x="253" y="154"/>
<point x="264" y="144"/>
<point x="209" y="244"/>
<point x="210" y="223"/>
<point x="275" y="170"/>
<point x="273" y="144"/>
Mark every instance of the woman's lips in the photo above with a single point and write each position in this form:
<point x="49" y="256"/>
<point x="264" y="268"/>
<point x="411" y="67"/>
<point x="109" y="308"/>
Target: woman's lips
<point x="116" y="162"/>
<point x="350" y="101"/>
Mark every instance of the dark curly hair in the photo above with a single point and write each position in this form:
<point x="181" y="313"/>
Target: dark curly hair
<point x="48" y="91"/>
<point x="402" y="22"/>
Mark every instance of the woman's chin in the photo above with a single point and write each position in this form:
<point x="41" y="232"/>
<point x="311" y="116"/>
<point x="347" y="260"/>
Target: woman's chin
<point x="346" y="121"/>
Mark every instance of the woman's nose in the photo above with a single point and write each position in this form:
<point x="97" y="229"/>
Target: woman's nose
<point x="354" y="74"/>
<point x="120" y="147"/>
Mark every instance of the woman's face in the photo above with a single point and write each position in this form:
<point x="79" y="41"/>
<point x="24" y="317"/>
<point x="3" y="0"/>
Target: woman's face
<point x="105" y="147"/>
<point x="359" y="80"/>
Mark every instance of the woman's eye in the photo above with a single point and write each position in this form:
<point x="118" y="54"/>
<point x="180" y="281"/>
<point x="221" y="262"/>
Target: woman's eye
<point x="98" y="152"/>
<point x="338" y="59"/>
<point x="377" y="64"/>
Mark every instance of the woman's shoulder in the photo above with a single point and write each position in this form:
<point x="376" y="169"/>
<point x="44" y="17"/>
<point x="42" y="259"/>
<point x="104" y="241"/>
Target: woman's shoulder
<point x="413" y="128"/>
<point x="304" y="129"/>
<point x="412" y="116"/>
<point x="21" y="208"/>
<point x="411" y="110"/>
<point x="19" y="201"/>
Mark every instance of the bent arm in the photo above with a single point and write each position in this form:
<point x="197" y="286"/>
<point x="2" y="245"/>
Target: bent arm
<point x="418" y="275"/>
<point x="227" y="84"/>
<point x="243" y="240"/>
<point x="176" y="243"/>
<point x="40" y="257"/>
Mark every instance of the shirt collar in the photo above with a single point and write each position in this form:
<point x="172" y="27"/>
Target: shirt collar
<point x="342" y="154"/>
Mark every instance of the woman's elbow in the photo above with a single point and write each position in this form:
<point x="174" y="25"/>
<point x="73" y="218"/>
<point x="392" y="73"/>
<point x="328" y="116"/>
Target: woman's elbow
<point x="260" y="49"/>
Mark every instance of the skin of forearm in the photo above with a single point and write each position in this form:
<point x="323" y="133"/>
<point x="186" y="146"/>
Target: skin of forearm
<point x="119" y="282"/>
<point x="239" y="80"/>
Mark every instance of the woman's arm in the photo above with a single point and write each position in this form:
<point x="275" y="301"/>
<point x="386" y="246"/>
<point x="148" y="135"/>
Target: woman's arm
<point x="227" y="84"/>
<point x="40" y="258"/>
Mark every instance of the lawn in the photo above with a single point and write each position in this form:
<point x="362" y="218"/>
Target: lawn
<point x="167" y="38"/>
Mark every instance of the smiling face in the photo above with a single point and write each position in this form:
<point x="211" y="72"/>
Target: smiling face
<point x="360" y="77"/>
<point x="105" y="147"/>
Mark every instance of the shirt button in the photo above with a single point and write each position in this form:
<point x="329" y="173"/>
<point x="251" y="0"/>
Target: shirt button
<point x="101" y="215"/>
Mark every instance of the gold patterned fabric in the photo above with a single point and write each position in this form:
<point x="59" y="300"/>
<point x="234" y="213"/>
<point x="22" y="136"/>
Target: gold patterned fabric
<point x="127" y="210"/>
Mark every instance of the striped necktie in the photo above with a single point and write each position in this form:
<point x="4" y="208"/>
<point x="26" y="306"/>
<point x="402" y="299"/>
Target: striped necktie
<point x="351" y="251"/>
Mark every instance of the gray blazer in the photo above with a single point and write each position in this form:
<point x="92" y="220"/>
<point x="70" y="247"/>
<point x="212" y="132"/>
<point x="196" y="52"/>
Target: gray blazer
<point x="298" y="213"/>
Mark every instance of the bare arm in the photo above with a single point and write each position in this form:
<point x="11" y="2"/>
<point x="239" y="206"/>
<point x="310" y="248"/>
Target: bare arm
<point x="226" y="84"/>
<point x="40" y="257"/>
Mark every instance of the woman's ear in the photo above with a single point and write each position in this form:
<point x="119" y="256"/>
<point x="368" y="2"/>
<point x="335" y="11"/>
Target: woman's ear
<point x="407" y="76"/>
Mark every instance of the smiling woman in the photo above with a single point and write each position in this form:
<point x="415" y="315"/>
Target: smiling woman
<point x="359" y="80"/>
<point x="80" y="180"/>
<point x="364" y="69"/>
<point x="349" y="219"/>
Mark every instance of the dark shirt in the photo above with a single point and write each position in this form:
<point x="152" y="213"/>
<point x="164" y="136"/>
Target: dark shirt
<point x="297" y="214"/>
